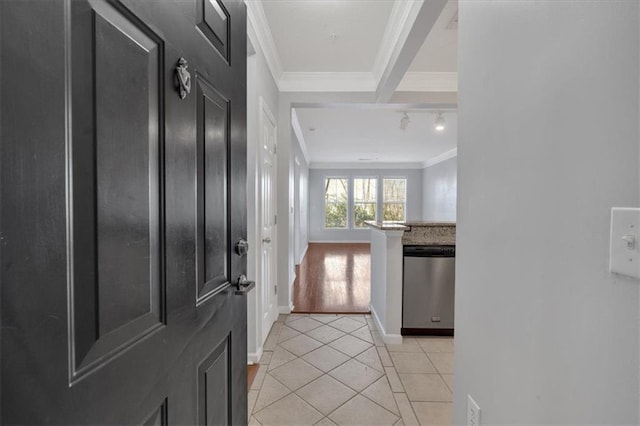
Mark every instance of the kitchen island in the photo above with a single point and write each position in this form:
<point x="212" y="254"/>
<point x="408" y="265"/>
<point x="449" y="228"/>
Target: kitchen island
<point x="387" y="241"/>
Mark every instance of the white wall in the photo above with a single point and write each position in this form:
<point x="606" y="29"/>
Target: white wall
<point x="317" y="231"/>
<point x="386" y="283"/>
<point x="440" y="191"/>
<point x="548" y="143"/>
<point x="260" y="84"/>
<point x="301" y="202"/>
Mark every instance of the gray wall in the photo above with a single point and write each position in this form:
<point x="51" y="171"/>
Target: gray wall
<point x="548" y="143"/>
<point x="317" y="232"/>
<point x="440" y="191"/>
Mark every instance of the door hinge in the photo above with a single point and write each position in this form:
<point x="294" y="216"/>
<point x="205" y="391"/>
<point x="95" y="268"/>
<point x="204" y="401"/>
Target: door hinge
<point x="275" y="149"/>
<point x="275" y="219"/>
<point x="275" y="289"/>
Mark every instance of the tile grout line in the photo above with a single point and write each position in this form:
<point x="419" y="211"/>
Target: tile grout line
<point x="436" y="368"/>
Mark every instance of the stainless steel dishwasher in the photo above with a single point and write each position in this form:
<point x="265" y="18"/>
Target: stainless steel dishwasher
<point x="428" y="290"/>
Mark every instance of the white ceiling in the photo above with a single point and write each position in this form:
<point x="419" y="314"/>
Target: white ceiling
<point x="349" y="45"/>
<point x="356" y="45"/>
<point x="303" y="30"/>
<point x="350" y="134"/>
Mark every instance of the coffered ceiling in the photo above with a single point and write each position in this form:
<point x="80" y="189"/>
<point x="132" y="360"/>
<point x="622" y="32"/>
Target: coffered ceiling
<point x="327" y="36"/>
<point x="357" y="45"/>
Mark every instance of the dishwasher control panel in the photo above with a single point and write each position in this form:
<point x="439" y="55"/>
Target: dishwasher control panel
<point x="421" y="251"/>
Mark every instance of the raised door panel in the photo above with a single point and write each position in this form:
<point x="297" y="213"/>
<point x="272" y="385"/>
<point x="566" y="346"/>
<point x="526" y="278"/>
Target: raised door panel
<point x="159" y="417"/>
<point x="213" y="23"/>
<point x="115" y="216"/>
<point x="214" y="381"/>
<point x="213" y="244"/>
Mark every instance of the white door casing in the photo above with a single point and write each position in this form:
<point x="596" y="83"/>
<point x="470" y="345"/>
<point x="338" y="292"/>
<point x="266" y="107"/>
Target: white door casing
<point x="296" y="203"/>
<point x="267" y="218"/>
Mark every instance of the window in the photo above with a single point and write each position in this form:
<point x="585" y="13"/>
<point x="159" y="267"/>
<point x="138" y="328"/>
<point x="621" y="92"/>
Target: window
<point x="394" y="199"/>
<point x="336" y="196"/>
<point x="364" y="200"/>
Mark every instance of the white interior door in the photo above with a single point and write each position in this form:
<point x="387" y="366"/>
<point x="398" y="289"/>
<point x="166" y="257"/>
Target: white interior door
<point x="267" y="187"/>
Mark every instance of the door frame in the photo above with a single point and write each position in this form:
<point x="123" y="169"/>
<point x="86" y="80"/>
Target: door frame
<point x="258" y="329"/>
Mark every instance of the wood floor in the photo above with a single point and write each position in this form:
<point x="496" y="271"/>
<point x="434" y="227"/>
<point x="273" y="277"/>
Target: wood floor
<point x="333" y="278"/>
<point x="252" y="371"/>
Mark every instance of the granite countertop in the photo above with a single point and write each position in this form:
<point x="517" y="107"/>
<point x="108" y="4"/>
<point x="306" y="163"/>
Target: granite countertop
<point x="430" y="233"/>
<point x="387" y="226"/>
<point x="423" y="223"/>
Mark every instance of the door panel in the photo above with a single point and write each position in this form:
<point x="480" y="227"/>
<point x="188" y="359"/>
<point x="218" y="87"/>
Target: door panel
<point x="213" y="386"/>
<point x="212" y="174"/>
<point x="115" y="184"/>
<point x="159" y="417"/>
<point x="120" y="205"/>
<point x="213" y="22"/>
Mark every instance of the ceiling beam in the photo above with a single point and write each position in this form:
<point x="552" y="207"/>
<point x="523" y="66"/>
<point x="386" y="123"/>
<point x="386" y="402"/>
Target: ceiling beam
<point x="424" y="14"/>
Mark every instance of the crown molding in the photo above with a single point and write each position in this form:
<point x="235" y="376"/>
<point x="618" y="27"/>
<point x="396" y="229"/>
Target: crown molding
<point x="398" y="27"/>
<point x="402" y="18"/>
<point x="258" y="21"/>
<point x="362" y="165"/>
<point x="327" y="82"/>
<point x="295" y="123"/>
<point x="440" y="158"/>
<point x="429" y="82"/>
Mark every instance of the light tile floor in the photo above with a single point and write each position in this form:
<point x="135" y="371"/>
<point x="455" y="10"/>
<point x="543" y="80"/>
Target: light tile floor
<point x="336" y="370"/>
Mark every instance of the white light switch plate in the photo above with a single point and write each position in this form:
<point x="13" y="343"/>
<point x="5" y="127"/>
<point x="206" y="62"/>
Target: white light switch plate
<point x="624" y="253"/>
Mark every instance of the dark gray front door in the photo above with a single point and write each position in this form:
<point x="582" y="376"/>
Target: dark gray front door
<point x="121" y="204"/>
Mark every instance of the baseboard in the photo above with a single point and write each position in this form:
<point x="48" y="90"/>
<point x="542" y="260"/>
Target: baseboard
<point x="254" y="357"/>
<point x="304" y="253"/>
<point x="389" y="339"/>
<point x="285" y="309"/>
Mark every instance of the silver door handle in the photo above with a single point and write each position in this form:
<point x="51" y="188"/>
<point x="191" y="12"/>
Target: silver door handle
<point x="266" y="240"/>
<point x="243" y="285"/>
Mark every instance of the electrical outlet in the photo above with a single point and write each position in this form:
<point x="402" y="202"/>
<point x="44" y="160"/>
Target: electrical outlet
<point x="473" y="412"/>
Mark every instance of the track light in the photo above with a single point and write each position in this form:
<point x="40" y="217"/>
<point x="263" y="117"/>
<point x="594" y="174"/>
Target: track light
<point x="439" y="124"/>
<point x="404" y="121"/>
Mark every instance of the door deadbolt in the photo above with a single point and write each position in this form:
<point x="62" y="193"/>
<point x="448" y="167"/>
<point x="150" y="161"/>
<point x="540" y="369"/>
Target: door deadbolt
<point x="242" y="247"/>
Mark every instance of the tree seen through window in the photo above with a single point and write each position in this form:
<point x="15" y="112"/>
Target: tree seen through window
<point x="364" y="200"/>
<point x="394" y="200"/>
<point x="336" y="196"/>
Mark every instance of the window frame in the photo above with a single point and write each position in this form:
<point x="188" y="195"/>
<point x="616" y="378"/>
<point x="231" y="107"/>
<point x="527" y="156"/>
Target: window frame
<point x="347" y="202"/>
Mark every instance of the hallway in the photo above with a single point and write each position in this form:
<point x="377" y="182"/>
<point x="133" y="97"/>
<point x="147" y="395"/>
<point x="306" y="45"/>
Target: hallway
<point x="333" y="278"/>
<point x="332" y="369"/>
